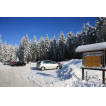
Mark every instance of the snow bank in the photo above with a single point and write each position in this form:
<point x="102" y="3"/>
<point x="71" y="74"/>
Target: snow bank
<point x="69" y="76"/>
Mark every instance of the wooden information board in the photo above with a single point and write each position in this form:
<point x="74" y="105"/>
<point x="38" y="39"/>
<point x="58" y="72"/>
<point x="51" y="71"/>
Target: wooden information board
<point x="93" y="61"/>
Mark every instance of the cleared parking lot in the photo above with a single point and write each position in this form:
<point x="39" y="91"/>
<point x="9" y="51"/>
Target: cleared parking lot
<point x="16" y="76"/>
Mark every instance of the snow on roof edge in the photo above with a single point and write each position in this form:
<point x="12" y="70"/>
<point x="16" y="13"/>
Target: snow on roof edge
<point x="91" y="47"/>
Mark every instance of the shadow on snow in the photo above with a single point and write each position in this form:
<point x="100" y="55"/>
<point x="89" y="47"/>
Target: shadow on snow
<point x="44" y="74"/>
<point x="34" y="68"/>
<point x="66" y="71"/>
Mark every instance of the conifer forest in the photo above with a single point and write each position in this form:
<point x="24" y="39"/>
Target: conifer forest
<point x="53" y="49"/>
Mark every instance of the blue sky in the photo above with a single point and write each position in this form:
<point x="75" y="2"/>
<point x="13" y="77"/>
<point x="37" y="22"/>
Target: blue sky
<point x="12" y="29"/>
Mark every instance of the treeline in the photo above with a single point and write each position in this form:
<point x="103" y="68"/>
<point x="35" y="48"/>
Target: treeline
<point x="46" y="49"/>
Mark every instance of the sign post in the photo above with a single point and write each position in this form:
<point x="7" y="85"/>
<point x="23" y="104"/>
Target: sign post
<point x="94" y="61"/>
<point x="103" y="77"/>
<point x="83" y="74"/>
<point x="93" y="57"/>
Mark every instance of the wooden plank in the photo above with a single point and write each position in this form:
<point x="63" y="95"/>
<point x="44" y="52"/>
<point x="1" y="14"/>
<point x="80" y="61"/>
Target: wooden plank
<point x="103" y="76"/>
<point x="104" y="58"/>
<point x="90" y="68"/>
<point x="104" y="71"/>
<point x="82" y="59"/>
<point x="82" y="74"/>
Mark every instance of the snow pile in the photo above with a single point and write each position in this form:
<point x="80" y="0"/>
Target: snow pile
<point x="69" y="76"/>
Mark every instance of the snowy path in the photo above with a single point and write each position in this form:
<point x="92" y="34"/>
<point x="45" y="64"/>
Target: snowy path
<point x="16" y="76"/>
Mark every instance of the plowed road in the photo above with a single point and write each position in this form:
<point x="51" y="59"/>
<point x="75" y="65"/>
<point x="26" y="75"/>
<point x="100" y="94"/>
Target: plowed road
<point x="17" y="76"/>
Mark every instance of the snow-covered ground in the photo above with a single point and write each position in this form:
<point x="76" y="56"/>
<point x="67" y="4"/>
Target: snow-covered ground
<point x="69" y="76"/>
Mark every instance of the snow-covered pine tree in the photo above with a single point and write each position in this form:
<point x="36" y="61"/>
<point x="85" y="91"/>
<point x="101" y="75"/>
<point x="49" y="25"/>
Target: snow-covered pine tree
<point x="79" y="38"/>
<point x="54" y="49"/>
<point x="88" y="34"/>
<point x="47" y="46"/>
<point x="29" y="51"/>
<point x="91" y="34"/>
<point x="9" y="52"/>
<point x="0" y="49"/>
<point x="84" y="35"/>
<point x="21" y="49"/>
<point x="79" y="41"/>
<point x="17" y="53"/>
<point x="62" y="43"/>
<point x="26" y="45"/>
<point x="51" y="54"/>
<point x="15" y="58"/>
<point x="38" y="51"/>
<point x="12" y="53"/>
<point x="69" y="45"/>
<point x="84" y="30"/>
<point x="74" y="45"/>
<point x="4" y="52"/>
<point x="66" y="49"/>
<point x="42" y="48"/>
<point x="24" y="49"/>
<point x="101" y="29"/>
<point x="34" y="49"/>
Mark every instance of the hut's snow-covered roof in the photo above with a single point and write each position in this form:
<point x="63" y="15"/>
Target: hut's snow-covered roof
<point x="91" y="47"/>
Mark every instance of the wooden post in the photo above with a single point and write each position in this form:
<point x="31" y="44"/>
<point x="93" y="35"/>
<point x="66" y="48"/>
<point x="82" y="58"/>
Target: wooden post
<point x="82" y="68"/>
<point x="82" y="59"/>
<point x="103" y="76"/>
<point x="86" y="75"/>
<point x="103" y="72"/>
<point x="104" y="58"/>
<point x="82" y="73"/>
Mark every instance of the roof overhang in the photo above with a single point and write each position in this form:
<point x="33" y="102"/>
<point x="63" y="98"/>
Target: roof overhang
<point x="91" y="47"/>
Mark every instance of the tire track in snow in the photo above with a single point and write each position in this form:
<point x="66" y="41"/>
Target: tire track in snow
<point x="15" y="77"/>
